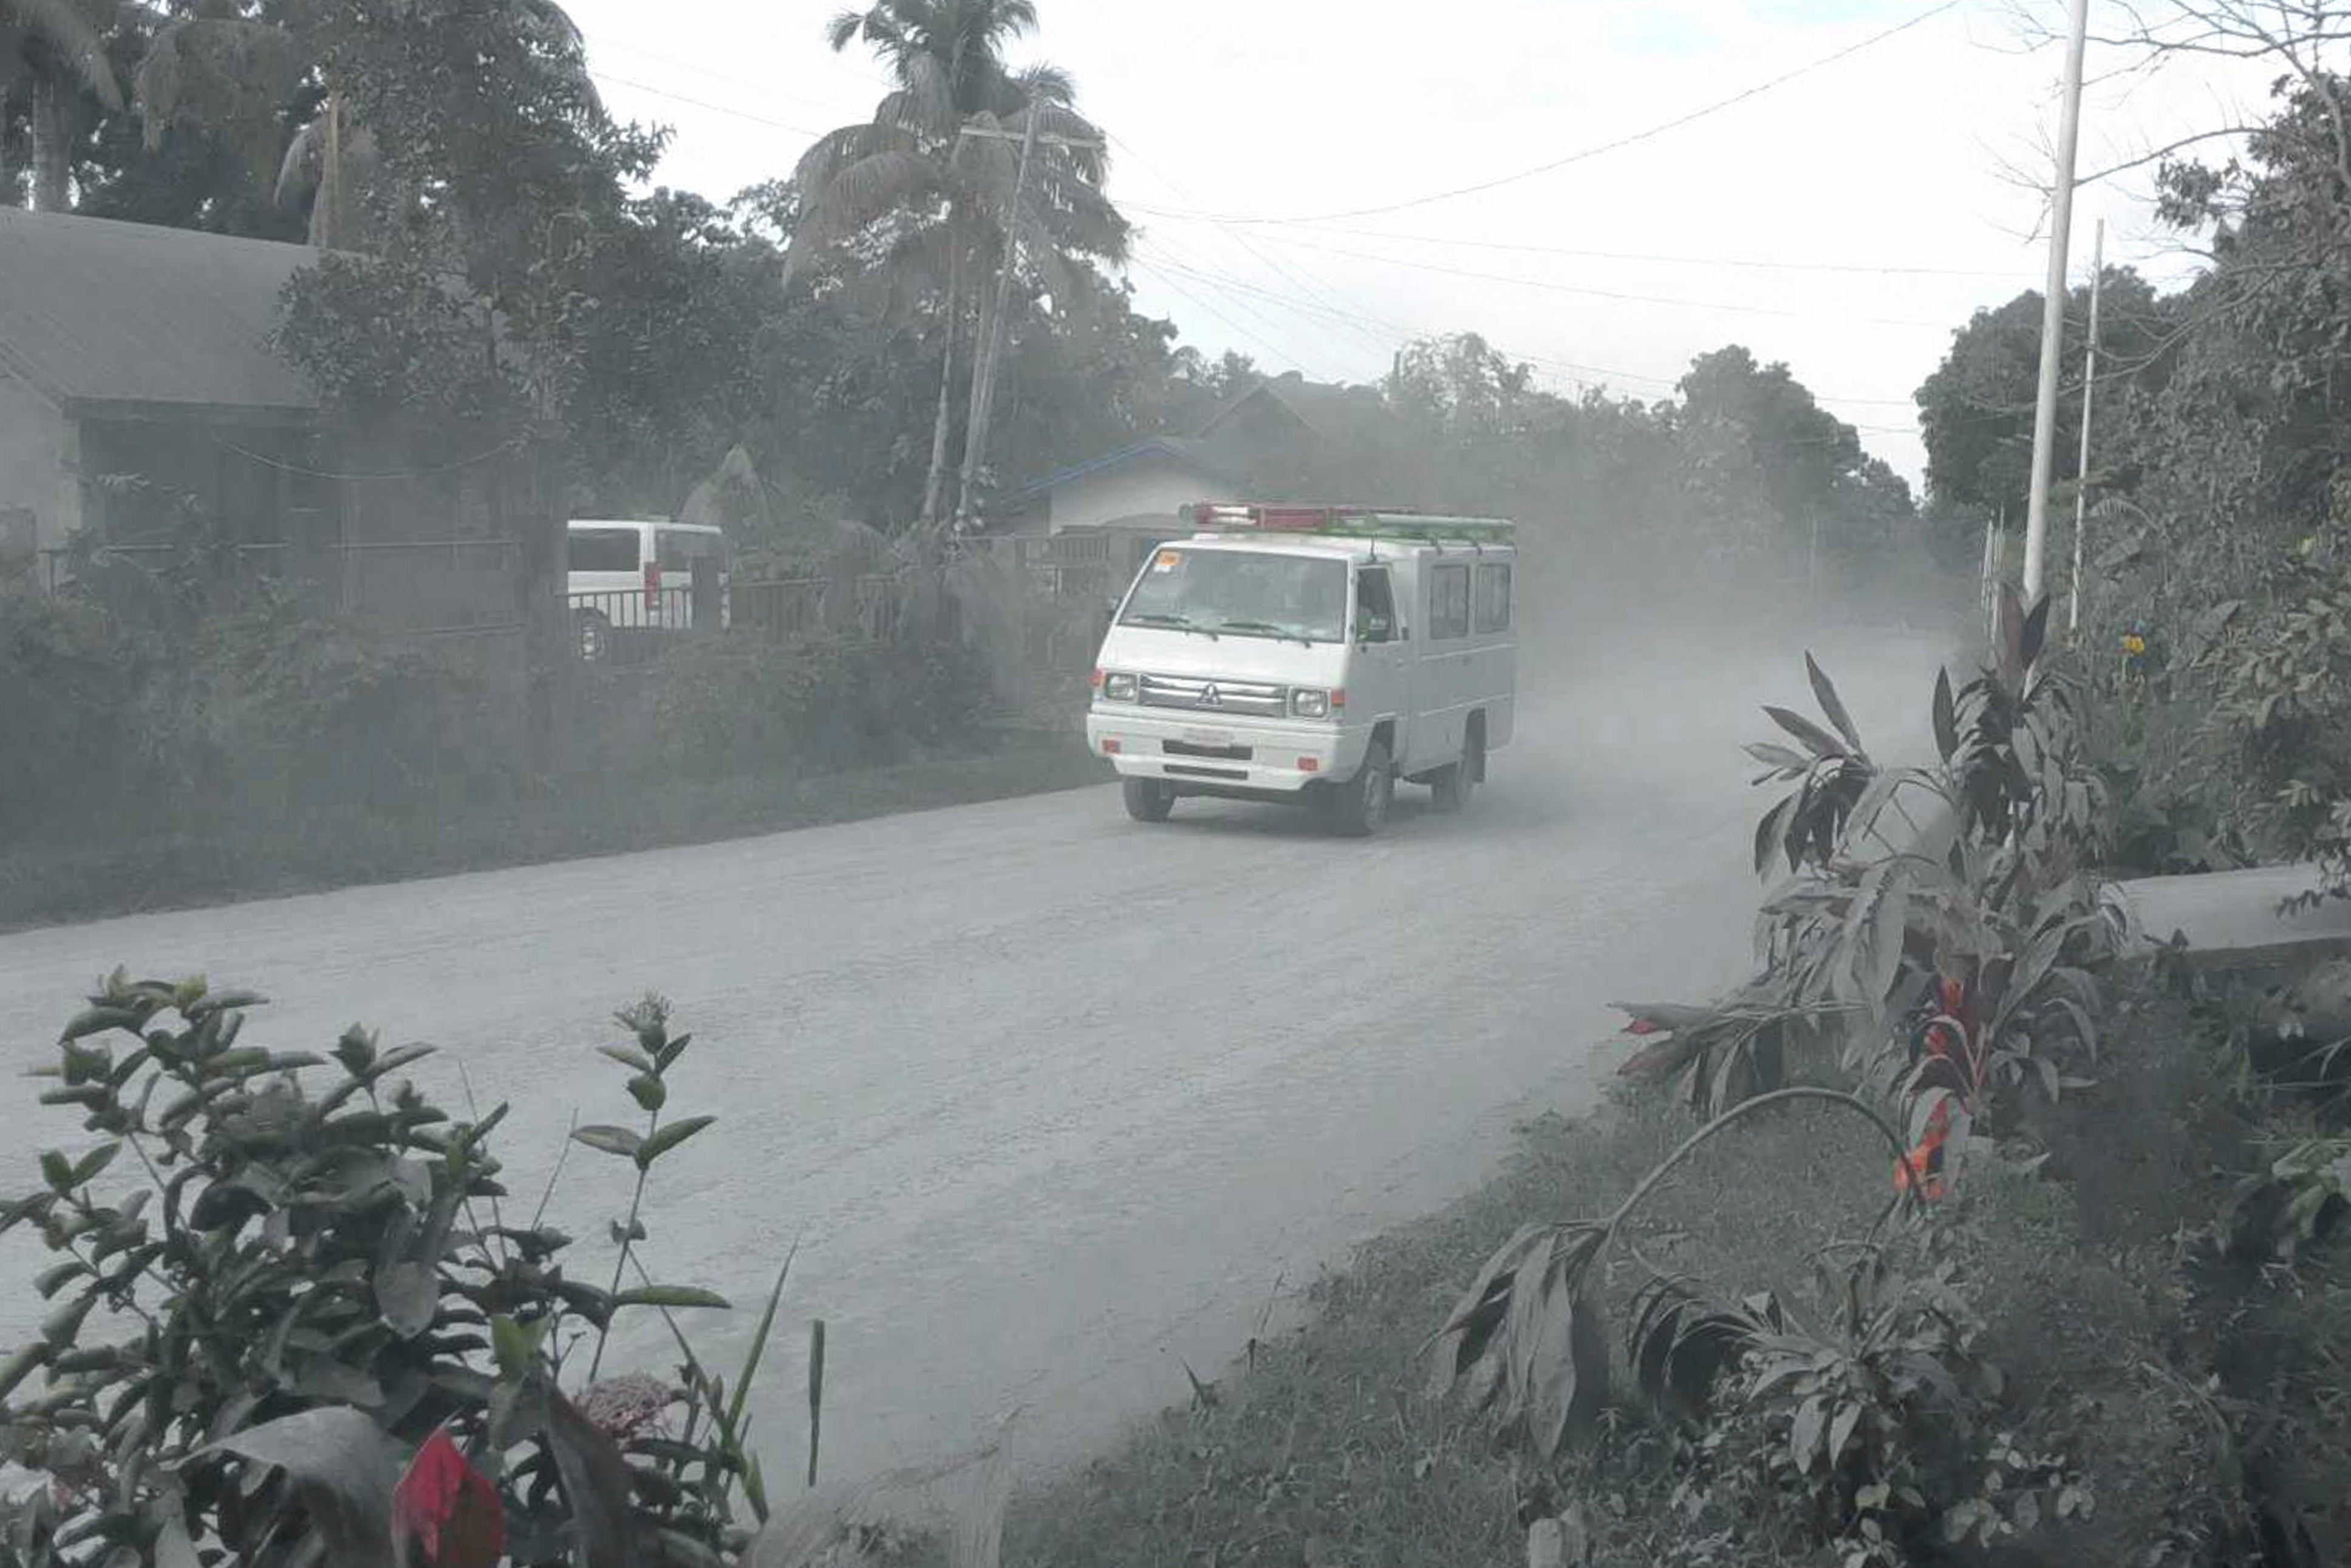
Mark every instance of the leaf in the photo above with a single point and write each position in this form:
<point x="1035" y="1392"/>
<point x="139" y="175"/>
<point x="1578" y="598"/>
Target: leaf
<point x="595" y="1484"/>
<point x="341" y="1467"/>
<point x="515" y="1346"/>
<point x="57" y="1171"/>
<point x="629" y="1056"/>
<point x="1775" y="756"/>
<point x="1822" y="743"/>
<point x="407" y="1295"/>
<point x="672" y="1296"/>
<point x="1773" y="831"/>
<point x="445" y="1512"/>
<point x="1886" y="936"/>
<point x="610" y="1140"/>
<point x="1947" y="723"/>
<point x="1848" y="1417"/>
<point x="816" y="1393"/>
<point x="1805" y="1432"/>
<point x="1826" y="691"/>
<point x="670" y="1137"/>
<point x="2036" y="632"/>
<point x="28" y="1358"/>
<point x="649" y="1092"/>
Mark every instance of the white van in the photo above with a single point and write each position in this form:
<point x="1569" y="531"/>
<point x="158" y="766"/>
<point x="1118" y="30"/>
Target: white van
<point x="635" y="575"/>
<point x="1311" y="653"/>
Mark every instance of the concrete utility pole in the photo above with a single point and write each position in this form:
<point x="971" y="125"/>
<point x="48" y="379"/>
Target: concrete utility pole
<point x="2053" y="307"/>
<point x="2089" y="385"/>
<point x="984" y="363"/>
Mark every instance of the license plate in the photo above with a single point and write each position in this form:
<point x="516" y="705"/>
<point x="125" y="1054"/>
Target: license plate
<point x="1208" y="737"/>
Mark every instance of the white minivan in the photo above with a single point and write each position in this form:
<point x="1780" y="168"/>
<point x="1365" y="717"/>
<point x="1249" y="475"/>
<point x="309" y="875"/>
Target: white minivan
<point x="1314" y="654"/>
<point x="636" y="576"/>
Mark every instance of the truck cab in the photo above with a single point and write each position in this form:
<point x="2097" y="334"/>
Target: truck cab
<point x="1314" y="655"/>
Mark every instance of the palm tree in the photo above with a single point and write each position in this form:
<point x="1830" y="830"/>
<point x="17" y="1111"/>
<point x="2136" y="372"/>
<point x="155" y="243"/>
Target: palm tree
<point x="54" y="48"/>
<point x="927" y="196"/>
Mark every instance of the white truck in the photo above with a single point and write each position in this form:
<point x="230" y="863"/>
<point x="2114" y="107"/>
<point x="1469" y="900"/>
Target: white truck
<point x="1313" y="655"/>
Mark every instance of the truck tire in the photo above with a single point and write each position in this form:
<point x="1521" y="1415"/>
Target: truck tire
<point x="1148" y="799"/>
<point x="1453" y="786"/>
<point x="1359" y="808"/>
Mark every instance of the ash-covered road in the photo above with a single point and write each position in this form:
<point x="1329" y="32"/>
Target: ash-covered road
<point x="1049" y="1099"/>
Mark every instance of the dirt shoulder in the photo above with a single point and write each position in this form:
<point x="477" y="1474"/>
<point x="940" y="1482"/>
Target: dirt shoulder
<point x="53" y="881"/>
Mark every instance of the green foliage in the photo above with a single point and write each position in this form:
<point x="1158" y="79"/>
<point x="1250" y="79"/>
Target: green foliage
<point x="288" y="1247"/>
<point x="1872" y="1429"/>
<point x="739" y="705"/>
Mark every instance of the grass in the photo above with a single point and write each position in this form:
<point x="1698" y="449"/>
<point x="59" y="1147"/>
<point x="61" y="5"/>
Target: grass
<point x="1327" y="1448"/>
<point x="60" y="879"/>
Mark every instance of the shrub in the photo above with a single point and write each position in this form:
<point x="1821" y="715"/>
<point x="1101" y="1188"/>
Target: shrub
<point x="299" y="1249"/>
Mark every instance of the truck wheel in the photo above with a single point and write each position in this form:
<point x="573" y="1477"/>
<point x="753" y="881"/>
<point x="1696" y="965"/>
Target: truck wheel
<point x="1148" y="799"/>
<point x="1454" y="786"/>
<point x="1359" y="808"/>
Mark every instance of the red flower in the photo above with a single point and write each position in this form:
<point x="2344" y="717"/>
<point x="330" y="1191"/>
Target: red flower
<point x="445" y="1512"/>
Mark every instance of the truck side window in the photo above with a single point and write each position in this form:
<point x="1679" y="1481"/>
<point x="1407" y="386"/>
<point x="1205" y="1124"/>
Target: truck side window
<point x="1374" y="606"/>
<point x="1448" y="602"/>
<point x="1493" y="598"/>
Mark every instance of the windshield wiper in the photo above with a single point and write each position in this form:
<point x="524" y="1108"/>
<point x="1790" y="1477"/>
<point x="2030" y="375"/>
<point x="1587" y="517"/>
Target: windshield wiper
<point x="1267" y="628"/>
<point x="1181" y="622"/>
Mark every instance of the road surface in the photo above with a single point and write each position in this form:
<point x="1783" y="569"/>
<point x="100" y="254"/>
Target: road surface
<point x="1049" y="1099"/>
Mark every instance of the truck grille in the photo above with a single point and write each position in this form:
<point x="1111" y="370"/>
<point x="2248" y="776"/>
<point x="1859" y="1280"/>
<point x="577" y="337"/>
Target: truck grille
<point x="1214" y="695"/>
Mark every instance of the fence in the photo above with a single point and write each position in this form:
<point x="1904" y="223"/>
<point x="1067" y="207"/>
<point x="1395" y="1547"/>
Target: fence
<point x="422" y="588"/>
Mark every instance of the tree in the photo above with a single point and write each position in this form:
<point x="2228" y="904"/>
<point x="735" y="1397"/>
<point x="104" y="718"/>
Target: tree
<point x="927" y="200"/>
<point x="1976" y="410"/>
<point x="51" y="51"/>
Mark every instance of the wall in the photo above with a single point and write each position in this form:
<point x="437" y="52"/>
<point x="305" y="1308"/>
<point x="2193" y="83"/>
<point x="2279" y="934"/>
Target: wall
<point x="1152" y="487"/>
<point x="39" y="461"/>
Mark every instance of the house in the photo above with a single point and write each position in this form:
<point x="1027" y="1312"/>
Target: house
<point x="138" y="393"/>
<point x="1256" y="444"/>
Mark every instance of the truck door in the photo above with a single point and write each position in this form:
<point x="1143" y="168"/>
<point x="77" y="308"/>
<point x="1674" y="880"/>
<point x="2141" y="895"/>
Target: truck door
<point x="1445" y="676"/>
<point x="1378" y="672"/>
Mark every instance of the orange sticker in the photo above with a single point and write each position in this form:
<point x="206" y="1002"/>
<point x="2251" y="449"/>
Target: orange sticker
<point x="1167" y="562"/>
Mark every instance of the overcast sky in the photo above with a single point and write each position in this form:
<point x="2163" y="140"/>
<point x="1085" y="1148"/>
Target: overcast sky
<point x="1845" y="220"/>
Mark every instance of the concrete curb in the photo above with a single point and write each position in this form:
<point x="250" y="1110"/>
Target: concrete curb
<point x="2231" y="919"/>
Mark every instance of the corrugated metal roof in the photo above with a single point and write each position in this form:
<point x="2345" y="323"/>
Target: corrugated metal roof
<point x="1183" y="449"/>
<point x="97" y="311"/>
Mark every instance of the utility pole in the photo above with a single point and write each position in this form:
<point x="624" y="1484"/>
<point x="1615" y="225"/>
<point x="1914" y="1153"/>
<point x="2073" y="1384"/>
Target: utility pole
<point x="984" y="363"/>
<point x="2053" y="307"/>
<point x="331" y="189"/>
<point x="2089" y="385"/>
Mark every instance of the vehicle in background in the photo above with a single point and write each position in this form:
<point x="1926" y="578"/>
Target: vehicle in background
<point x="634" y="576"/>
<point x="1313" y="655"/>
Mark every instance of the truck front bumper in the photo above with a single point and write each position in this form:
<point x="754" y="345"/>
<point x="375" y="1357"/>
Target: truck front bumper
<point x="1199" y="753"/>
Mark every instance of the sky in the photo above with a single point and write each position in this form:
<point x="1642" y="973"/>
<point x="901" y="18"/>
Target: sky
<point x="1850" y="181"/>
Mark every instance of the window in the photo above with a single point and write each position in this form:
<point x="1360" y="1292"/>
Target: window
<point x="1242" y="593"/>
<point x="1374" y="606"/>
<point x="679" y="550"/>
<point x="604" y="549"/>
<point x="1448" y="602"/>
<point x="1493" y="598"/>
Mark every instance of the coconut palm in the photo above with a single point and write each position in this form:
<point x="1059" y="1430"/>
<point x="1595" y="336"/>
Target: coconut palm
<point x="52" y="50"/>
<point x="923" y="200"/>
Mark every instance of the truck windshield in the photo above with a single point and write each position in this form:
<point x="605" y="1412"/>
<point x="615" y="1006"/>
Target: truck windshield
<point x="1242" y="593"/>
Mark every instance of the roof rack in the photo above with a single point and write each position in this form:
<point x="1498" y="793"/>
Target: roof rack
<point x="1348" y="522"/>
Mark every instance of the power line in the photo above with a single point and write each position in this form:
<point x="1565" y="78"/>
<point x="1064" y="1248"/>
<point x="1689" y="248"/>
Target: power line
<point x="1237" y="327"/>
<point x="1549" y="287"/>
<point x="1755" y="264"/>
<point x="609" y="78"/>
<point x="1607" y="147"/>
<point x="1230" y="285"/>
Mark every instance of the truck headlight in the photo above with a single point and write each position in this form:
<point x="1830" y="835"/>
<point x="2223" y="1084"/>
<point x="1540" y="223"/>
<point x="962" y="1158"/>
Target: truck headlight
<point x="1308" y="703"/>
<point x="1118" y="688"/>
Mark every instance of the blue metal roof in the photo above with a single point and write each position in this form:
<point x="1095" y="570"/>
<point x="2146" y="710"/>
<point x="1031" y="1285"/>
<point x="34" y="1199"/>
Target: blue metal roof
<point x="1180" y="449"/>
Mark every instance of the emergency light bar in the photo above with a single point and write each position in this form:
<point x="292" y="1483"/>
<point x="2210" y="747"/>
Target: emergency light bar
<point x="1346" y="522"/>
